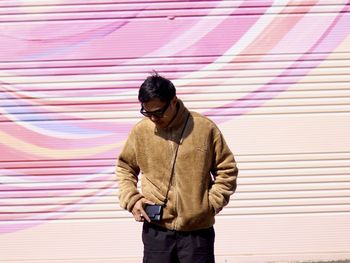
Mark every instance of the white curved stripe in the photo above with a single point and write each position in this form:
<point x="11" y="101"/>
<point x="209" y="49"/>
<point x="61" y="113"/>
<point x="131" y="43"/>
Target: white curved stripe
<point x="237" y="48"/>
<point x="253" y="33"/>
<point x="56" y="134"/>
<point x="194" y="34"/>
<point x="311" y="29"/>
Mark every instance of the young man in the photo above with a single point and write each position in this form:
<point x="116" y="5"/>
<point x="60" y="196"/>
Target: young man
<point x="186" y="167"/>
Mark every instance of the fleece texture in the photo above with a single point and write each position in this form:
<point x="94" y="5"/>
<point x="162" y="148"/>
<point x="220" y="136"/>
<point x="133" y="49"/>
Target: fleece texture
<point x="205" y="170"/>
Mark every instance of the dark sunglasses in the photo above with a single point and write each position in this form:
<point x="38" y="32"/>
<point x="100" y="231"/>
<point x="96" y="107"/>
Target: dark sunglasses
<point x="157" y="113"/>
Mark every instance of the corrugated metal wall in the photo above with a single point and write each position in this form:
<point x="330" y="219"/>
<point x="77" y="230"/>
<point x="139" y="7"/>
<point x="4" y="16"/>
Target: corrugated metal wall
<point x="274" y="75"/>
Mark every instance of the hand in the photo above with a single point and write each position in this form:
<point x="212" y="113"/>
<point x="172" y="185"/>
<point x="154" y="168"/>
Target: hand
<point x="138" y="212"/>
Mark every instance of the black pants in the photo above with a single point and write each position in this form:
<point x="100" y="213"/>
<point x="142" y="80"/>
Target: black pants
<point x="169" y="246"/>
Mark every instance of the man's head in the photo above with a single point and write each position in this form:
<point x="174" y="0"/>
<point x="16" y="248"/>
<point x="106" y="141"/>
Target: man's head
<point x="158" y="100"/>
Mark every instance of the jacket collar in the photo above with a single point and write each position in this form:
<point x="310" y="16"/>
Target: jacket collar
<point x="179" y="118"/>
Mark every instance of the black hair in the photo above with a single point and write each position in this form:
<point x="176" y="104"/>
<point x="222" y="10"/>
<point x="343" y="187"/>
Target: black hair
<point x="156" y="86"/>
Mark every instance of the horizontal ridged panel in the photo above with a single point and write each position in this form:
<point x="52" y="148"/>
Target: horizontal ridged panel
<point x="169" y="10"/>
<point x="271" y="184"/>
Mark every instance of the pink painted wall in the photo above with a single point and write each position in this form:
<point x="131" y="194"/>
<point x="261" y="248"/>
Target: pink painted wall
<point x="69" y="76"/>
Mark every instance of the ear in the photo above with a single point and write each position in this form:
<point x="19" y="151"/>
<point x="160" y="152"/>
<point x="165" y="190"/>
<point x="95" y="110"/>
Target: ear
<point x="174" y="100"/>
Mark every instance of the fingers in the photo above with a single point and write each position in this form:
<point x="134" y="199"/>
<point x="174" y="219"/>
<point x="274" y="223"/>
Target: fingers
<point x="139" y="218"/>
<point x="138" y="211"/>
<point x="143" y="212"/>
<point x="145" y="216"/>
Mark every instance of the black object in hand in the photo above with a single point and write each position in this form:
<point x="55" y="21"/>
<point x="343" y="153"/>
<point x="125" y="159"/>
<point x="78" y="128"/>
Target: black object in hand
<point x="154" y="212"/>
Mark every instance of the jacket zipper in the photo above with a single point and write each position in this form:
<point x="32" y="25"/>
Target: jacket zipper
<point x="173" y="183"/>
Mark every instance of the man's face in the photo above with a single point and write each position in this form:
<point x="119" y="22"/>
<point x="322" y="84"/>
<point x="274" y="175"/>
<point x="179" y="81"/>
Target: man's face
<point x="160" y="112"/>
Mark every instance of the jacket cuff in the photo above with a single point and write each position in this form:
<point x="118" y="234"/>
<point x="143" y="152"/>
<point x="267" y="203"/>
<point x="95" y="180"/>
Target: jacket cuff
<point x="212" y="205"/>
<point x="133" y="201"/>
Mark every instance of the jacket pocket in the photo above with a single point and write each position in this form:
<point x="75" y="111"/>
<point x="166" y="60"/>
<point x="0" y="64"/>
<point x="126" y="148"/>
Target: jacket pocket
<point x="211" y="208"/>
<point x="151" y="191"/>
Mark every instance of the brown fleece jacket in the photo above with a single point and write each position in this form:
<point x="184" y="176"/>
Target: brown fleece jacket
<point x="205" y="170"/>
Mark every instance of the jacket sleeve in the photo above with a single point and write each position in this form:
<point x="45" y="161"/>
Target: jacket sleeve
<point x="127" y="171"/>
<point x="224" y="171"/>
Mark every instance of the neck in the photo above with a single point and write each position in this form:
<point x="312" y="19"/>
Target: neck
<point x="175" y="114"/>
